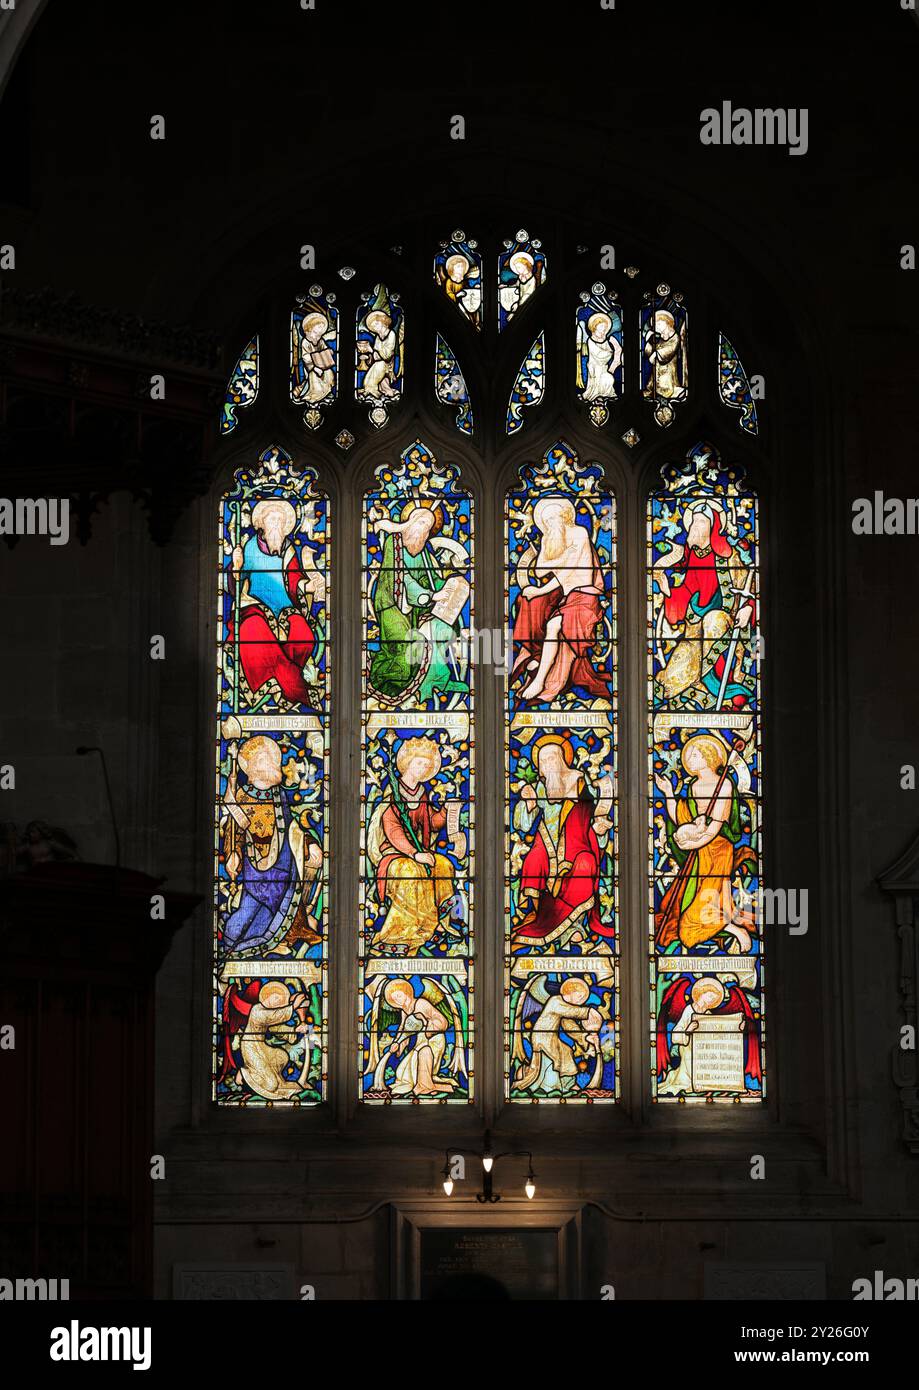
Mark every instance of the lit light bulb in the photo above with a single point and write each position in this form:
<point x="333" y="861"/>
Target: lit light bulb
<point x="488" y="1162"/>
<point x="530" y="1188"/>
<point x="448" y="1186"/>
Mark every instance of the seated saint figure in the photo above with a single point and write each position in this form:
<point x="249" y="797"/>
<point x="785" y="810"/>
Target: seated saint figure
<point x="559" y="889"/>
<point x="413" y="879"/>
<point x="704" y="837"/>
<point x="417" y="601"/>
<point x="275" y="591"/>
<point x="709" y="597"/>
<point x="270" y="858"/>
<point x="557" y="617"/>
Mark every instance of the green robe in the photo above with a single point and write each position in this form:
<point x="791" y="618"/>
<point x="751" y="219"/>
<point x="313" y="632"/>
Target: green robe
<point x="400" y="611"/>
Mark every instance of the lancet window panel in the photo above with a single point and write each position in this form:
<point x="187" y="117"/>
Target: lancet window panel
<point x="561" y="1022"/>
<point x="270" y="992"/>
<point x="705" y="786"/>
<point x="416" y="966"/>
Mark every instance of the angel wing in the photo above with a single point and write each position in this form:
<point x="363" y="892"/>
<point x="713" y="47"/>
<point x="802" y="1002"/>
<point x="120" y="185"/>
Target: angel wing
<point x="534" y="996"/>
<point x="376" y="1049"/>
<point x="582" y="355"/>
<point x="445" y="1005"/>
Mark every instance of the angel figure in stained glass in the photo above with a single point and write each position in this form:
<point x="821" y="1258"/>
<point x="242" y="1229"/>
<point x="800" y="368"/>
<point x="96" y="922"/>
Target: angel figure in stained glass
<point x="518" y="282"/>
<point x="600" y="355"/>
<point x="377" y="356"/>
<point x="460" y="281"/>
<point x="686" y="1008"/>
<point x="313" y="358"/>
<point x="267" y="1062"/>
<point x="557" y="1038"/>
<point x="665" y="351"/>
<point x="415" y="1038"/>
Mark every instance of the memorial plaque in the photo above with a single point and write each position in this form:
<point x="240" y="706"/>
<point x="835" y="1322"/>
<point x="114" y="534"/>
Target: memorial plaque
<point x="489" y="1263"/>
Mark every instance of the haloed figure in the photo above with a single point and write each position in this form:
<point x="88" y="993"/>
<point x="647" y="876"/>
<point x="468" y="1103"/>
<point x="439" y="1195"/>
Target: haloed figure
<point x="558" y="614"/>
<point x="665" y="351"/>
<point x="414" y="880"/>
<point x="314" y="361"/>
<point x="708" y="596"/>
<point x="704" y="836"/>
<point x="378" y="356"/>
<point x="276" y="639"/>
<point x="603" y="354"/>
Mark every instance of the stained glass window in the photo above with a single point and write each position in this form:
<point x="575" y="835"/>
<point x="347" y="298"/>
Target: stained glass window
<point x="664" y="373"/>
<point x="450" y="385"/>
<point x="705" y="785"/>
<point x="242" y="388"/>
<point x="600" y="368"/>
<point x="271" y="837"/>
<point x="417" y="769"/>
<point x="529" y="384"/>
<point x="565" y="833"/>
<point x="561" y="986"/>
<point x="458" y="271"/>
<point x="521" y="270"/>
<point x="733" y="386"/>
<point x="378" y="353"/>
<point x="314" y="354"/>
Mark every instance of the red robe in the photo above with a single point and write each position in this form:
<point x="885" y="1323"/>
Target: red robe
<point x="262" y="654"/>
<point x="237" y="1006"/>
<point x="580" y="612"/>
<point x="579" y="884"/>
<point x="699" y="585"/>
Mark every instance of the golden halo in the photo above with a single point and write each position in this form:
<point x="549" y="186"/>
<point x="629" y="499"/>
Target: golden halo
<point x="560" y="741"/>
